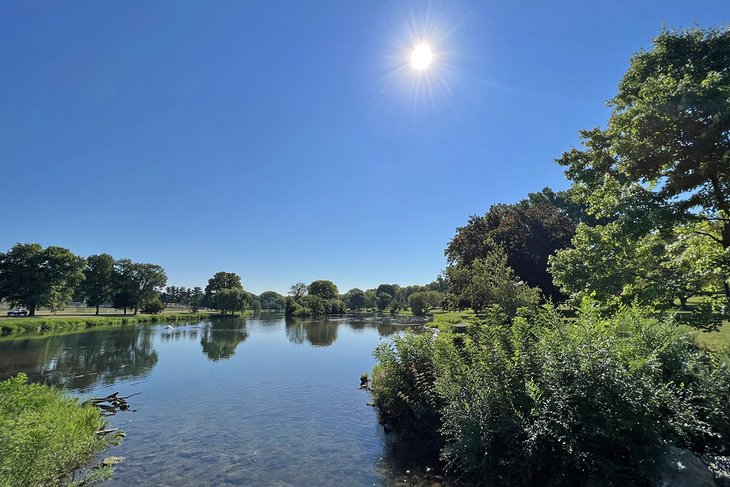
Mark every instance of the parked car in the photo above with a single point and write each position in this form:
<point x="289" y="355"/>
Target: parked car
<point x="18" y="312"/>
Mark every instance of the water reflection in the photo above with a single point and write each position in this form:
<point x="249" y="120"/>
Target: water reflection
<point x="221" y="337"/>
<point x="299" y="417"/>
<point x="82" y="360"/>
<point x="100" y="357"/>
<point x="177" y="334"/>
<point x="321" y="333"/>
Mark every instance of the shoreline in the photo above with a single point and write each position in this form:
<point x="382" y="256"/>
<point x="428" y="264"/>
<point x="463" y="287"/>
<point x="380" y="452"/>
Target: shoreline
<point x="26" y="327"/>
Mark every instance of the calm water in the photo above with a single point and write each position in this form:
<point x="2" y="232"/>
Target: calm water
<point x="257" y="401"/>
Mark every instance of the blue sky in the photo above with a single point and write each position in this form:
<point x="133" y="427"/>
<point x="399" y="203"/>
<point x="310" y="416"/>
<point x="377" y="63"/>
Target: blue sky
<point x="290" y="141"/>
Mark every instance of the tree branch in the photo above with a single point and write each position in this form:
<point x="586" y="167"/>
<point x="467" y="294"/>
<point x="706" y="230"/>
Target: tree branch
<point x="718" y="240"/>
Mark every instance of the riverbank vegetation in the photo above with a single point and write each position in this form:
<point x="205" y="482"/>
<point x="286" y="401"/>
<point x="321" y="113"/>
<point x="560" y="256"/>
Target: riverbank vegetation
<point x="45" y="436"/>
<point x="544" y="400"/>
<point x="637" y="253"/>
<point x="54" y="324"/>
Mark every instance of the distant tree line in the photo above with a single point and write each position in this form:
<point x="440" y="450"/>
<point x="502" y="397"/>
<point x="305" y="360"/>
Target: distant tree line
<point x="322" y="297"/>
<point x="32" y="276"/>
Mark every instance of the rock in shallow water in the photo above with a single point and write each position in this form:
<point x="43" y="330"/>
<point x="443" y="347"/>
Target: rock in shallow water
<point x="681" y="468"/>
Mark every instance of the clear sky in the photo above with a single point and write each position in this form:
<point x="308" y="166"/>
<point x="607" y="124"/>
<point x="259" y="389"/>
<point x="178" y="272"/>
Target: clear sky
<point x="291" y="140"/>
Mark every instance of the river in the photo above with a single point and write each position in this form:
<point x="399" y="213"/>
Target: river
<point x="234" y="401"/>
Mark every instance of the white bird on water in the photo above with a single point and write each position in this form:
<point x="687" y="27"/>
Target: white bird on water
<point x="168" y="327"/>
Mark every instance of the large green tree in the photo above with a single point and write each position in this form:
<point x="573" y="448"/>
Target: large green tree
<point x="664" y="158"/>
<point x="220" y="280"/>
<point x="658" y="268"/>
<point x="298" y="290"/>
<point x="136" y="284"/>
<point x="355" y="299"/>
<point x="98" y="285"/>
<point x="528" y="232"/>
<point x="272" y="300"/>
<point x="230" y="300"/>
<point x="32" y="276"/>
<point x="324" y="289"/>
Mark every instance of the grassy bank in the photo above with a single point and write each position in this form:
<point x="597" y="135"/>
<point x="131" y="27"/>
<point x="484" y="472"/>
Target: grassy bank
<point x="715" y="339"/>
<point x="448" y="320"/>
<point x="44" y="435"/>
<point x="56" y="324"/>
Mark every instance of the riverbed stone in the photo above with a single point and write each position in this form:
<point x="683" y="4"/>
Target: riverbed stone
<point x="681" y="468"/>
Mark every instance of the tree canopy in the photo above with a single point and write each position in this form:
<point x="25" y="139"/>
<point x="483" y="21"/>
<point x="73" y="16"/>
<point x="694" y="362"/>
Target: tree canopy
<point x="528" y="232"/>
<point x="98" y="284"/>
<point x="136" y="283"/>
<point x="324" y="289"/>
<point x="219" y="281"/>
<point x="664" y="159"/>
<point x="33" y="276"/>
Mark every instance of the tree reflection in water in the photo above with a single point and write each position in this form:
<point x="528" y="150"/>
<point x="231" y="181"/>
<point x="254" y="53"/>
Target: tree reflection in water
<point x="321" y="333"/>
<point x="221" y="337"/>
<point x="80" y="361"/>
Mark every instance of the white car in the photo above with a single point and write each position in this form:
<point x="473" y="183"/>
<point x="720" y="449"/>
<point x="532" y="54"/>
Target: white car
<point x="18" y="312"/>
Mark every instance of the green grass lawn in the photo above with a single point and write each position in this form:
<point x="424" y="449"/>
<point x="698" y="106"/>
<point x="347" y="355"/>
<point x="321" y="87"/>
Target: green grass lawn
<point x="445" y="320"/>
<point x="716" y="339"/>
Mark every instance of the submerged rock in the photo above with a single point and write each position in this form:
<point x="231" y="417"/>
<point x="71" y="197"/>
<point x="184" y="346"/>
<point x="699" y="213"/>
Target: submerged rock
<point x="681" y="468"/>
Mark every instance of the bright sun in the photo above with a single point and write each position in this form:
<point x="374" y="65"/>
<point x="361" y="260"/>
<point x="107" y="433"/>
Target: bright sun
<point x="421" y="57"/>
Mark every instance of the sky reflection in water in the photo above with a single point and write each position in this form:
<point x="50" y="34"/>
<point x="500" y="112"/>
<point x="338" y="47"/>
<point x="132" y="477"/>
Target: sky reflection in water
<point x="269" y="401"/>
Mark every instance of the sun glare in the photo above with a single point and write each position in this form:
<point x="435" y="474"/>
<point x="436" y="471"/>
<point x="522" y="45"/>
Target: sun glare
<point x="421" y="57"/>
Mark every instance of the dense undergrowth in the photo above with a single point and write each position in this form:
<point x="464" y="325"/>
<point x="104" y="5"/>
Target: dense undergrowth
<point x="549" y="401"/>
<point x="44" y="435"/>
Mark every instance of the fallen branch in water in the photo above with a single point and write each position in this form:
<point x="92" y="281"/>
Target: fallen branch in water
<point x="115" y="403"/>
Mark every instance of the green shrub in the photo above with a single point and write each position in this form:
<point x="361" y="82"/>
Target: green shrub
<point x="44" y="436"/>
<point x="552" y="402"/>
<point x="403" y="384"/>
<point x="153" y="306"/>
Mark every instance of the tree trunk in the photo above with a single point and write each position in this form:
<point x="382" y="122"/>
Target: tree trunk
<point x="31" y="310"/>
<point x="725" y="246"/>
<point x="722" y="205"/>
<point x="683" y="302"/>
<point x="125" y="311"/>
<point x="97" y="310"/>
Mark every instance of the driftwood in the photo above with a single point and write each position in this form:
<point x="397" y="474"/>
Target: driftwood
<point x="112" y="403"/>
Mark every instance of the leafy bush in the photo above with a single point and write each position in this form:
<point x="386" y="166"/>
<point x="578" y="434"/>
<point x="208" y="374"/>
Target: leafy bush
<point x="403" y="383"/>
<point x="44" y="436"/>
<point x="550" y="402"/>
<point x="153" y="306"/>
<point x="486" y="282"/>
